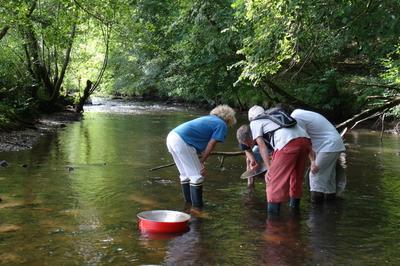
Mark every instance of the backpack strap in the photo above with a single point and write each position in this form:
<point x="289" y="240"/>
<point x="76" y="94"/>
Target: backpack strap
<point x="278" y="116"/>
<point x="269" y="137"/>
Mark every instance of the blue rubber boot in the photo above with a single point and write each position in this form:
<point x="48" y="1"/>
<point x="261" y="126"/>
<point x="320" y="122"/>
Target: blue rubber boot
<point x="186" y="192"/>
<point x="196" y="193"/>
<point x="273" y="208"/>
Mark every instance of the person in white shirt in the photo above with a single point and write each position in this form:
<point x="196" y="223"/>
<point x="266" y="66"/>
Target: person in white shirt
<point x="327" y="144"/>
<point x="291" y="150"/>
<point x="252" y="152"/>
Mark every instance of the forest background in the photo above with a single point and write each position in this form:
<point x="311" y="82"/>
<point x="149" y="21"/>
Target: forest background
<point x="340" y="58"/>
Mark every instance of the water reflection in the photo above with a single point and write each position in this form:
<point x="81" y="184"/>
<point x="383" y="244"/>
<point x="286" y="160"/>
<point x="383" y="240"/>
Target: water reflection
<point x="283" y="241"/>
<point x="175" y="248"/>
<point x="51" y="214"/>
<point x="322" y="222"/>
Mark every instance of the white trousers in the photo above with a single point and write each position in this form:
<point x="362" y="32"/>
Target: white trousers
<point x="325" y="180"/>
<point x="186" y="159"/>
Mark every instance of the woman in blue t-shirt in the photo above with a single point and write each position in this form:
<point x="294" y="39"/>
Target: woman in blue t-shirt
<point x="198" y="136"/>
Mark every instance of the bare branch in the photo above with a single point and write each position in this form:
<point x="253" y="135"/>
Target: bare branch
<point x="67" y="58"/>
<point x="96" y="16"/>
<point x="106" y="35"/>
<point x="387" y="86"/>
<point x="370" y="112"/>
<point x="220" y="153"/>
<point x="365" y="119"/>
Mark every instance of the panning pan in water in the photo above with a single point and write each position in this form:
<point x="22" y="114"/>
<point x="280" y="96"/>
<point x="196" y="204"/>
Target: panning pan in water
<point x="163" y="221"/>
<point x="253" y="173"/>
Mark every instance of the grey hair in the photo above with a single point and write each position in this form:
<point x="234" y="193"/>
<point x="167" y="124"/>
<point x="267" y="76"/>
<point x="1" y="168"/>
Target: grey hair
<point x="244" y="133"/>
<point x="226" y="113"/>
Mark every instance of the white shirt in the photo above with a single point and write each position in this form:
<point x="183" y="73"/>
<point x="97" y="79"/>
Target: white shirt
<point x="324" y="136"/>
<point x="281" y="136"/>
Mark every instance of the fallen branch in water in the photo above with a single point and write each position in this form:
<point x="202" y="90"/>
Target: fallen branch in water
<point x="369" y="113"/>
<point x="162" y="166"/>
<point x="228" y="153"/>
<point x="219" y="153"/>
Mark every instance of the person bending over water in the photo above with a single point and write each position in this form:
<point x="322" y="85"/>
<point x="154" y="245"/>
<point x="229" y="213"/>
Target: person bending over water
<point x="327" y="144"/>
<point x="198" y="136"/>
<point x="291" y="146"/>
<point x="254" y="161"/>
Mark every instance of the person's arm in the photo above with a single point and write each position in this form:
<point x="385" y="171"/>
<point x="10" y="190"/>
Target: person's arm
<point x="251" y="162"/>
<point x="210" y="147"/>
<point x="313" y="167"/>
<point x="263" y="151"/>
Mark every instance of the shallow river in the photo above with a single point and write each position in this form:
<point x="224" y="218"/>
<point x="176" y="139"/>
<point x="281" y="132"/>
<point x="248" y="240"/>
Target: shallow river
<point x="73" y="200"/>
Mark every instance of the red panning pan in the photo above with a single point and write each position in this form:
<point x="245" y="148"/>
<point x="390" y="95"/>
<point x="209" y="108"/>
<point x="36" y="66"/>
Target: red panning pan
<point x="163" y="221"/>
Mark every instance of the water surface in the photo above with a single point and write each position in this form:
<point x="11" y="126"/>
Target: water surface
<point x="76" y="201"/>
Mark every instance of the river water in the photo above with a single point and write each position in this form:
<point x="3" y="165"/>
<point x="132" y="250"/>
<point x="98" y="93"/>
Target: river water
<point x="73" y="200"/>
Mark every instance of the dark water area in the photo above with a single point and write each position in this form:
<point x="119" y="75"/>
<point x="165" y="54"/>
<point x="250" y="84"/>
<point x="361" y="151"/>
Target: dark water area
<point x="76" y="201"/>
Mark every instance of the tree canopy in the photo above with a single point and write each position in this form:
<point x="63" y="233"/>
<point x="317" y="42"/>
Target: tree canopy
<point x="336" y="57"/>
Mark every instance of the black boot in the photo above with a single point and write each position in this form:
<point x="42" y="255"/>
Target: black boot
<point x="196" y="193"/>
<point x="294" y="203"/>
<point x="273" y="208"/>
<point x="186" y="192"/>
<point x="330" y="196"/>
<point x="317" y="197"/>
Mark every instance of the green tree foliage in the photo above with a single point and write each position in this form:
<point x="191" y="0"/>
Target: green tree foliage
<point x="338" y="57"/>
<point x="314" y="49"/>
<point x="182" y="49"/>
<point x="38" y="39"/>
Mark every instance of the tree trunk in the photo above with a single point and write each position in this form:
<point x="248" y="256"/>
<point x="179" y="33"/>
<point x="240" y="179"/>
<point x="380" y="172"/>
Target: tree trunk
<point x="3" y="32"/>
<point x="85" y="96"/>
<point x="57" y="86"/>
<point x="37" y="62"/>
<point x="91" y="87"/>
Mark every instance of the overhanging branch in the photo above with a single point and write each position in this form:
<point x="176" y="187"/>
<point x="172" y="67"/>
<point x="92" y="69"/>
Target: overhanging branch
<point x="293" y="100"/>
<point x="369" y="113"/>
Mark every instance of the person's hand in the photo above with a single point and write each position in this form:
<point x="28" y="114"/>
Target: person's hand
<point x="313" y="167"/>
<point x="202" y="169"/>
<point x="254" y="166"/>
<point x="251" y="164"/>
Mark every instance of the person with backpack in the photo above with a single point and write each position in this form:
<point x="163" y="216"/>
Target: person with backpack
<point x="254" y="162"/>
<point x="193" y="138"/>
<point x="291" y="146"/>
<point x="327" y="145"/>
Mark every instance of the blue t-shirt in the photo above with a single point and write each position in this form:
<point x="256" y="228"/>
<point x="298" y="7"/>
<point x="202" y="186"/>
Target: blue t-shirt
<point x="198" y="132"/>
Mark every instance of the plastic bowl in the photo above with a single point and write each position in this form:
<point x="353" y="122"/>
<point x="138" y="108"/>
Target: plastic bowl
<point x="163" y="221"/>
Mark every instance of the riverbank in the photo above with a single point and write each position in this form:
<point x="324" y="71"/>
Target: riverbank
<point x="25" y="139"/>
